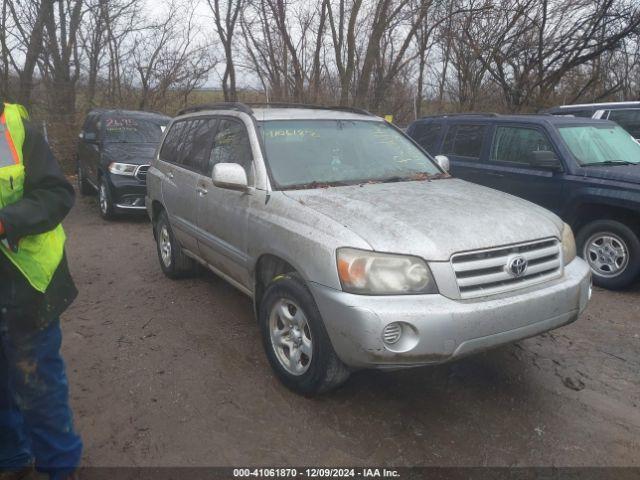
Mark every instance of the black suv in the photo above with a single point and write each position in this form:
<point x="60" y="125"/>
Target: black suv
<point x="586" y="171"/>
<point x="114" y="152"/>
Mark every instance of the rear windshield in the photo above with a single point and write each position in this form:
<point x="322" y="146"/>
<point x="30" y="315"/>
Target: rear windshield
<point x="601" y="145"/>
<point x="132" y="130"/>
<point x="315" y="153"/>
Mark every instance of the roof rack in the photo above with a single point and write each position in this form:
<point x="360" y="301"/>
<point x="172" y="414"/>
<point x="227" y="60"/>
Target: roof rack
<point x="246" y="107"/>
<point x="470" y="114"/>
<point x="311" y="106"/>
<point x="239" y="106"/>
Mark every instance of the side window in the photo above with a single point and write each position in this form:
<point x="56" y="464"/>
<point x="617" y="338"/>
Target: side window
<point x="91" y="127"/>
<point x="627" y="119"/>
<point x="185" y="155"/>
<point x="427" y="135"/>
<point x="465" y="140"/>
<point x="232" y="145"/>
<point x="518" y="144"/>
<point x="171" y="146"/>
<point x="201" y="139"/>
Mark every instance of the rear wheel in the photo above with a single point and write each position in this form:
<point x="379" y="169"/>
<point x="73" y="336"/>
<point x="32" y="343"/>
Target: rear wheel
<point x="174" y="263"/>
<point x="295" y="340"/>
<point x="612" y="250"/>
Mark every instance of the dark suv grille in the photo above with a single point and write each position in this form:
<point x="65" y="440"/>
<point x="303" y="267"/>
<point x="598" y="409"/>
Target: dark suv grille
<point x="141" y="172"/>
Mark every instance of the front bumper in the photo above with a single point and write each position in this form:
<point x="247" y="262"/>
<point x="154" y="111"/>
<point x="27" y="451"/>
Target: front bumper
<point x="128" y="193"/>
<point x="437" y="329"/>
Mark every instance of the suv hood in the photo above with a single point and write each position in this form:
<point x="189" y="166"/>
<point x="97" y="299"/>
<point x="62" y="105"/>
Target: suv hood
<point x="135" y="153"/>
<point x="621" y="173"/>
<point x="431" y="219"/>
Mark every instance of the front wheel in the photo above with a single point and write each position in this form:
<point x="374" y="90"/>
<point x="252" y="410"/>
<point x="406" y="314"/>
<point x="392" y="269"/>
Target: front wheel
<point x="83" y="185"/>
<point x="612" y="250"/>
<point x="295" y="340"/>
<point x="107" y="209"/>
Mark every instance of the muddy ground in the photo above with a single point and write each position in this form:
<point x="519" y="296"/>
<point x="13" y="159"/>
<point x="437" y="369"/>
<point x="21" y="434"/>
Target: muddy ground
<point x="172" y="373"/>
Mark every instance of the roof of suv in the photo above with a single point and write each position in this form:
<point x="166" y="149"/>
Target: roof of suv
<point x="538" y="119"/>
<point x="285" y="111"/>
<point x="127" y="113"/>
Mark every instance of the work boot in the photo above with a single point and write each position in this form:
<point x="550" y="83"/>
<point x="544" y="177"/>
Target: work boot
<point x="22" y="474"/>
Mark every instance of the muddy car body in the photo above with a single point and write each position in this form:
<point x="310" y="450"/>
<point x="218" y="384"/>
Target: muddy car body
<point x="345" y="272"/>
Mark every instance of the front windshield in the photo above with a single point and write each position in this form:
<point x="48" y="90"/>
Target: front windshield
<point x="132" y="130"/>
<point x="316" y="153"/>
<point x="601" y="145"/>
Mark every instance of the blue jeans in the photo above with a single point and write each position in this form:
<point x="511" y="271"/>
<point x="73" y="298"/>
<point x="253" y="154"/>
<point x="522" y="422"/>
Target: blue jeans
<point x="35" y="419"/>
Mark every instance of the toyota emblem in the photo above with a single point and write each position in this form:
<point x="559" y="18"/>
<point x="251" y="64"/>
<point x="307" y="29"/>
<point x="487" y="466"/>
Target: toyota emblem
<point x="517" y="266"/>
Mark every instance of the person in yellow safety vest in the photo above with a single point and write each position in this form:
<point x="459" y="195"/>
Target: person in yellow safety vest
<point x="36" y="425"/>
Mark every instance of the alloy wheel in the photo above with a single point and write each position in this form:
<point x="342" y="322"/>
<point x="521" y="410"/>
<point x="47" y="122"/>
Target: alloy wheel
<point x="104" y="199"/>
<point x="164" y="241"/>
<point x="291" y="336"/>
<point x="607" y="254"/>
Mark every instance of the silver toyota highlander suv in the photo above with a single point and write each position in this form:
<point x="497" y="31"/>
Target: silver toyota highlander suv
<point x="357" y="248"/>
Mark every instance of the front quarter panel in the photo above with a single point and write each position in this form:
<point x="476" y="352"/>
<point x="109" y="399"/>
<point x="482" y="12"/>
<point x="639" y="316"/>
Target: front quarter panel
<point x="306" y="239"/>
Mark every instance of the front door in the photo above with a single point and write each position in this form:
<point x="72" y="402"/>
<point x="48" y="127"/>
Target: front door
<point x="223" y="213"/>
<point x="512" y="159"/>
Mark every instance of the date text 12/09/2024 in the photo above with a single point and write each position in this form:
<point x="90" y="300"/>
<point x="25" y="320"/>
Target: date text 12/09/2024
<point x="315" y="473"/>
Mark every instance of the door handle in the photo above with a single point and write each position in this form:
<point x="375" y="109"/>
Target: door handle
<point x="202" y="191"/>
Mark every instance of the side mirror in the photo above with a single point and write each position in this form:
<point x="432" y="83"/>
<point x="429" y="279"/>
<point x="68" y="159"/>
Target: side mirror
<point x="545" y="159"/>
<point x="443" y="162"/>
<point x="231" y="176"/>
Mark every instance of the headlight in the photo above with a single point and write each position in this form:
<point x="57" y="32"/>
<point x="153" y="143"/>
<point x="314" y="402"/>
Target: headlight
<point x="568" y="244"/>
<point x="371" y="273"/>
<point x="123" y="169"/>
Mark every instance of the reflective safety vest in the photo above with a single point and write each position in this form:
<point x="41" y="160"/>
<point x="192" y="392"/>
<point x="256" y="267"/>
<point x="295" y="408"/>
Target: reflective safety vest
<point x="36" y="256"/>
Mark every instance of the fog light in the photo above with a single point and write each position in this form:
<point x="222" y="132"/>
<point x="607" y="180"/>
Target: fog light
<point x="391" y="333"/>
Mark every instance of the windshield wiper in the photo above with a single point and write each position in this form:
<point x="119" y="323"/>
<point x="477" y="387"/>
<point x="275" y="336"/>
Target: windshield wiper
<point x="609" y="162"/>
<point x="316" y="184"/>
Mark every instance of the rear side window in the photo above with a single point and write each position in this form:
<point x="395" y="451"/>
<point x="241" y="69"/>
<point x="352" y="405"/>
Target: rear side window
<point x="465" y="140"/>
<point x="172" y="143"/>
<point x="517" y="144"/>
<point x="627" y="119"/>
<point x="232" y="145"/>
<point x="427" y="135"/>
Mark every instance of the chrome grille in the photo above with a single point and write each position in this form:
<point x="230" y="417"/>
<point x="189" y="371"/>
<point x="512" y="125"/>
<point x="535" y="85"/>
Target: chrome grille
<point x="487" y="272"/>
<point x="141" y="172"/>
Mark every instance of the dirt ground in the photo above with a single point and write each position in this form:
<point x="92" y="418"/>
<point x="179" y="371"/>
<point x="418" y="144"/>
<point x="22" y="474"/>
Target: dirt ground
<point x="172" y="373"/>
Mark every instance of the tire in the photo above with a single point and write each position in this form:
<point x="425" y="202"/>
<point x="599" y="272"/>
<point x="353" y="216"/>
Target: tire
<point x="612" y="250"/>
<point x="174" y="263"/>
<point x="318" y="369"/>
<point x="105" y="201"/>
<point x="83" y="186"/>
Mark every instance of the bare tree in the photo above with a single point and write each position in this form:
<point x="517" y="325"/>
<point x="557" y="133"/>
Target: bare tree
<point x="226" y="20"/>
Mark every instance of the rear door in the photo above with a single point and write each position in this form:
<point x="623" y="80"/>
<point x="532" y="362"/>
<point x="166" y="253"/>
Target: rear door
<point x="179" y="182"/>
<point x="511" y="159"/>
<point x="428" y="135"/>
<point x="222" y="213"/>
<point x="465" y="145"/>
